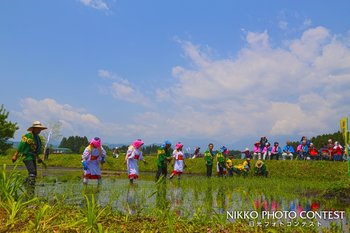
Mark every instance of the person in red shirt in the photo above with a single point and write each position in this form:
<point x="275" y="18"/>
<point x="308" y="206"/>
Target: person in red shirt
<point x="337" y="152"/>
<point x="313" y="152"/>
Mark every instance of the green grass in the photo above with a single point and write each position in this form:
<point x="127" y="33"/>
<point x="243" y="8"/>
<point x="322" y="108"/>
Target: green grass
<point x="198" y="201"/>
<point x="318" y="170"/>
<point x="323" y="181"/>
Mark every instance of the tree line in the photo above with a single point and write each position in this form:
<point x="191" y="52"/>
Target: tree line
<point x="77" y="143"/>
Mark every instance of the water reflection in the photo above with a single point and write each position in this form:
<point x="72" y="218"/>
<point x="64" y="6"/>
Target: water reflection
<point x="261" y="203"/>
<point x="221" y="200"/>
<point x="177" y="198"/>
<point x="206" y="199"/>
<point x="209" y="199"/>
<point x="133" y="200"/>
<point x="161" y="196"/>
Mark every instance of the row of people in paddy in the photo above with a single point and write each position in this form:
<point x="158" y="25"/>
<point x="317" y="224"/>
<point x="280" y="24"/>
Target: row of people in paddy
<point x="304" y="151"/>
<point x="94" y="155"/>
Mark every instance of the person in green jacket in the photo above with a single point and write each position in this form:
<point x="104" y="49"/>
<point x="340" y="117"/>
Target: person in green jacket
<point x="163" y="158"/>
<point x="242" y="169"/>
<point x="260" y="169"/>
<point x="209" y="157"/>
<point x="29" y="148"/>
<point x="221" y="161"/>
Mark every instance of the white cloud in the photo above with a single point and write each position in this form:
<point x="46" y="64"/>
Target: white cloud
<point x="96" y="4"/>
<point x="307" y="23"/>
<point x="258" y="40"/>
<point x="74" y="121"/>
<point x="298" y="89"/>
<point x="283" y="25"/>
<point x="310" y="46"/>
<point x="122" y="89"/>
<point x="301" y="88"/>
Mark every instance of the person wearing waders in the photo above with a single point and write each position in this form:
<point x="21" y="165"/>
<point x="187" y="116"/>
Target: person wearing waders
<point x="133" y="155"/>
<point x="29" y="148"/>
<point x="209" y="157"/>
<point x="163" y="158"/>
<point x="93" y="156"/>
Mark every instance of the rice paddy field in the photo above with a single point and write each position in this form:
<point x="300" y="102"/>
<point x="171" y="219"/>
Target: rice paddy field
<point x="317" y="192"/>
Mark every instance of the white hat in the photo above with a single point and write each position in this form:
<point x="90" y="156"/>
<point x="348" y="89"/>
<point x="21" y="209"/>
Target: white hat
<point x="38" y="125"/>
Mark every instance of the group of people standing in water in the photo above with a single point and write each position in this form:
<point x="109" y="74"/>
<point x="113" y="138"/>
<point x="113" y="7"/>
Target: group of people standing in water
<point x="94" y="155"/>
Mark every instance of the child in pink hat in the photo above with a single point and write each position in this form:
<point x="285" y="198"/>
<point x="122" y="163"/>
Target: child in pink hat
<point x="179" y="164"/>
<point x="133" y="155"/>
<point x="93" y="156"/>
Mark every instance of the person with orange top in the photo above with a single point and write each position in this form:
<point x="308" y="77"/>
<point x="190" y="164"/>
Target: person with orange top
<point x="179" y="163"/>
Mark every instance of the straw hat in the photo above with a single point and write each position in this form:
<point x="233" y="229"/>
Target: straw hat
<point x="259" y="164"/>
<point x="38" y="125"/>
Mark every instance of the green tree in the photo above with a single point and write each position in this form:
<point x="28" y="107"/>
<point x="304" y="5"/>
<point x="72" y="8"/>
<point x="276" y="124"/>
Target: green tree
<point x="321" y="140"/>
<point x="7" y="130"/>
<point x="75" y="143"/>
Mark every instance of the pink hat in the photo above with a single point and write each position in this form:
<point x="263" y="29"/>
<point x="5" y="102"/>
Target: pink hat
<point x="137" y="143"/>
<point x="96" y="142"/>
<point x="178" y="145"/>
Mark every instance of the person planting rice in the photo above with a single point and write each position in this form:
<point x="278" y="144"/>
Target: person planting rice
<point x="221" y="161"/>
<point x="163" y="158"/>
<point x="179" y="163"/>
<point x="243" y="168"/>
<point x="133" y="155"/>
<point x="196" y="153"/>
<point x="260" y="169"/>
<point x="30" y="148"/>
<point x="209" y="157"/>
<point x="229" y="165"/>
<point x="93" y="156"/>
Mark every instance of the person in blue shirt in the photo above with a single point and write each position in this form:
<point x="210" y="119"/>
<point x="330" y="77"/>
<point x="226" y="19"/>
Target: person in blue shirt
<point x="288" y="151"/>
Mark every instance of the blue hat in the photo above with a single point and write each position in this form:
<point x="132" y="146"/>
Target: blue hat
<point x="223" y="148"/>
<point x="166" y="142"/>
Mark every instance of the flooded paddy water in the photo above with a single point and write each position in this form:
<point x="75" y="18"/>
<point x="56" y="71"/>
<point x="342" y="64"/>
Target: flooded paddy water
<point x="256" y="202"/>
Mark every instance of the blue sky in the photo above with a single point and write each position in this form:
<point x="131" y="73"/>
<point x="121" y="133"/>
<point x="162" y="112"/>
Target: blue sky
<point x="193" y="71"/>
